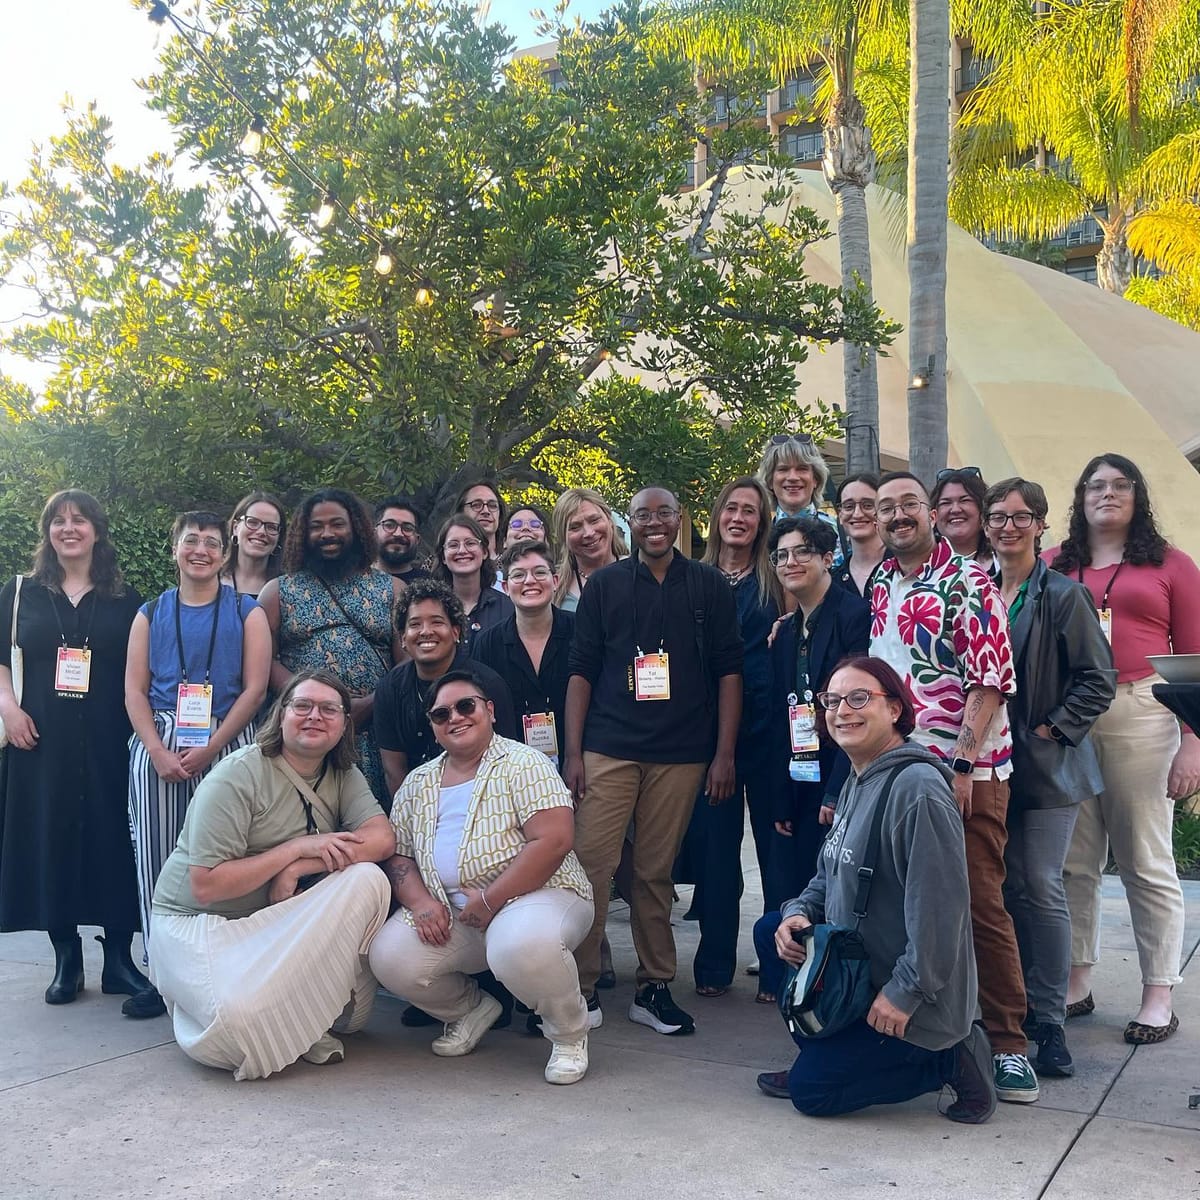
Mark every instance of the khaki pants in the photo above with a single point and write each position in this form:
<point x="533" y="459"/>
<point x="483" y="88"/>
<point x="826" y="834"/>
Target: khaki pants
<point x="658" y="798"/>
<point x="527" y="947"/>
<point x="1136" y="740"/>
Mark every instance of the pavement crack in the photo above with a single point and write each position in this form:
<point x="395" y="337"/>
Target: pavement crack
<point x="100" y="1062"/>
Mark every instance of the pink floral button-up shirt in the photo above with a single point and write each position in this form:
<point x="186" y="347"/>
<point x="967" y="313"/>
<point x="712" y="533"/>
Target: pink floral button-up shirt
<point x="944" y="629"/>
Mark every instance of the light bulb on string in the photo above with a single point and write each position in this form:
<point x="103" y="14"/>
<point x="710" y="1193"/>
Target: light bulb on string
<point x="252" y="142"/>
<point x="327" y="211"/>
<point x="384" y="263"/>
<point x="424" y="296"/>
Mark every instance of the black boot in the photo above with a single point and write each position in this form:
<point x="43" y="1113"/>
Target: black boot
<point x="68" y="968"/>
<point x="120" y="976"/>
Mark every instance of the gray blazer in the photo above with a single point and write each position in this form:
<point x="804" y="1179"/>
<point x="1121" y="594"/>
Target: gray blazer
<point x="1066" y="678"/>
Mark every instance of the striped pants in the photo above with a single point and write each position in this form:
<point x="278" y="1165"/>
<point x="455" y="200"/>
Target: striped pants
<point x="157" y="808"/>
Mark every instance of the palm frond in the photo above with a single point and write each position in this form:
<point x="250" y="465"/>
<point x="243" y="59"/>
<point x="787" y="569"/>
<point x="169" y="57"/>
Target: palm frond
<point x="1016" y="203"/>
<point x="1173" y="169"/>
<point x="1169" y="235"/>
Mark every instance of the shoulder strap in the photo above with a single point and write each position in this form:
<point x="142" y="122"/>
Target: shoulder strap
<point x="301" y="785"/>
<point x="12" y="641"/>
<point x="695" y="581"/>
<point x="151" y="605"/>
<point x="387" y="666"/>
<point x="866" y="872"/>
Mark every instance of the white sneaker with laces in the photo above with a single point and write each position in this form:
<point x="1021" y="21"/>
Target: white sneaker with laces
<point x="568" y="1062"/>
<point x="463" y="1035"/>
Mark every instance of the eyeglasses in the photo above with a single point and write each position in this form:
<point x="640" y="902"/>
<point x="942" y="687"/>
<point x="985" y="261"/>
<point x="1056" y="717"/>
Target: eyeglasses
<point x="541" y="574"/>
<point x="464" y="707"/>
<point x="1119" y="486"/>
<point x="303" y="707"/>
<point x="782" y="439"/>
<point x="532" y="523"/>
<point x="848" y="506"/>
<point x="483" y="505"/>
<point x="254" y="524"/>
<point x="465" y="544"/>
<point x="1020" y="520"/>
<point x="885" y="510"/>
<point x="192" y="541"/>
<point x="946" y="473"/>
<point x="644" y="516"/>
<point x="785" y="554"/>
<point x="858" y="698"/>
<point x="390" y="526"/>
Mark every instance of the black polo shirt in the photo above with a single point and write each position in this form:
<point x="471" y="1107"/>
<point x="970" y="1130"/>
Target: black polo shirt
<point x="494" y="608"/>
<point x="400" y="700"/>
<point x="533" y="691"/>
<point x="683" y="728"/>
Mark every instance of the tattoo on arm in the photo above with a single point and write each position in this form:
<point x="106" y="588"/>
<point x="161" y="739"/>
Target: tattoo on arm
<point x="398" y="869"/>
<point x="967" y="741"/>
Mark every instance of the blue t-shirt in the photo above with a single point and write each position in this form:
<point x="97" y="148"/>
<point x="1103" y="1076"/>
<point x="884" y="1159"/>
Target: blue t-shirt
<point x="196" y="625"/>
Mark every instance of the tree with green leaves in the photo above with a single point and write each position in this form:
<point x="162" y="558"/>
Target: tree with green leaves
<point x="855" y="48"/>
<point x="1095" y="94"/>
<point x="206" y="336"/>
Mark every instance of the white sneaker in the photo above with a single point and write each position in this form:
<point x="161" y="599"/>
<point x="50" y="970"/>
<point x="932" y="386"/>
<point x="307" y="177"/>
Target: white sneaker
<point x="463" y="1035"/>
<point x="326" y="1049"/>
<point x="568" y="1062"/>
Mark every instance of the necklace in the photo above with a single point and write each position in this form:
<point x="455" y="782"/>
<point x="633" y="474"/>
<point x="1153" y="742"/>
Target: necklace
<point x="733" y="577"/>
<point x="73" y="596"/>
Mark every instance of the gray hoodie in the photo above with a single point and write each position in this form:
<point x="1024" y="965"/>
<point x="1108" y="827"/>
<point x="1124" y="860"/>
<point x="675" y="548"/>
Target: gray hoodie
<point x="918" y="925"/>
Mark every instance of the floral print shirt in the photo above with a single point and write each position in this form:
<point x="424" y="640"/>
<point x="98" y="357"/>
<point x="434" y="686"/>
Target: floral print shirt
<point x="944" y="629"/>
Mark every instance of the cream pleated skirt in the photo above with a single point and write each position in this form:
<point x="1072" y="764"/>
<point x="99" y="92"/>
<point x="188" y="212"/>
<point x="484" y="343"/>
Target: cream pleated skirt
<point x="252" y="995"/>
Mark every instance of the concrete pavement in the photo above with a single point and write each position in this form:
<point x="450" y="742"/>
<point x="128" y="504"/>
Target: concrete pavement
<point x="95" y="1105"/>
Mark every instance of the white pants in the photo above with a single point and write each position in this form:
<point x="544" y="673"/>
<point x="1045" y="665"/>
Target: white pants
<point x="528" y="946"/>
<point x="1136" y="740"/>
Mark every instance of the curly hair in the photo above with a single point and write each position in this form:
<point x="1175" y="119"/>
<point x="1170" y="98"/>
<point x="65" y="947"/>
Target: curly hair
<point x="429" y="589"/>
<point x="487" y="572"/>
<point x="296" y="546"/>
<point x="764" y="573"/>
<point x="239" y="511"/>
<point x="105" y="574"/>
<point x="343" y="755"/>
<point x="1143" y="542"/>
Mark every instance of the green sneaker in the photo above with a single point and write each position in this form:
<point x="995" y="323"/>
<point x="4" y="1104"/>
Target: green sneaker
<point x="1015" y="1080"/>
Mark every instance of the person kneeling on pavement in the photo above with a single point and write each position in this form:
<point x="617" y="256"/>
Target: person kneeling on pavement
<point x="922" y="1029"/>
<point x="263" y="912"/>
<point x="486" y="877"/>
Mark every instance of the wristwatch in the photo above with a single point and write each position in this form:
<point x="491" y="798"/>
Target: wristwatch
<point x="962" y="766"/>
<point x="1057" y="734"/>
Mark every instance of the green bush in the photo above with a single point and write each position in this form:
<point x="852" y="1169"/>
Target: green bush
<point x="1186" y="838"/>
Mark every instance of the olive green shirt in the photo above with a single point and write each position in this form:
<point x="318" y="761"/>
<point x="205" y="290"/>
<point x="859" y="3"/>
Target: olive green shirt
<point x="246" y="806"/>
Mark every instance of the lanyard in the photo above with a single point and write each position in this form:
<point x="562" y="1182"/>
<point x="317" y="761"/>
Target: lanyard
<point x="1108" y="586"/>
<point x="212" y="639"/>
<point x="803" y="636"/>
<point x="662" y="634"/>
<point x="62" y="633"/>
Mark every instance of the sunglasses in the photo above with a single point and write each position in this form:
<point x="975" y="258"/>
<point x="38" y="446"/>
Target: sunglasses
<point x="464" y="707"/>
<point x="522" y="523"/>
<point x="782" y="439"/>
<point x="947" y="472"/>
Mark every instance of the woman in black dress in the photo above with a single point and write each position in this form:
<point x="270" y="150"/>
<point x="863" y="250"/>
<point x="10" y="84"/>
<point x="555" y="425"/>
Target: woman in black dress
<point x="66" y="858"/>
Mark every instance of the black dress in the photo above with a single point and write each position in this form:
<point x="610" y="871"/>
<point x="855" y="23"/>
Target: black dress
<point x="66" y="857"/>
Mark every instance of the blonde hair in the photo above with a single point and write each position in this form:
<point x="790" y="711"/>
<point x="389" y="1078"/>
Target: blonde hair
<point x="565" y="507"/>
<point x="764" y="574"/>
<point x="780" y="454"/>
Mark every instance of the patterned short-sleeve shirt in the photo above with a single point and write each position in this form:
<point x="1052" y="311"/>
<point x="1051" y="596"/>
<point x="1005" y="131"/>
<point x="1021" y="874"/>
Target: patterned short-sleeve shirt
<point x="513" y="783"/>
<point x="944" y="630"/>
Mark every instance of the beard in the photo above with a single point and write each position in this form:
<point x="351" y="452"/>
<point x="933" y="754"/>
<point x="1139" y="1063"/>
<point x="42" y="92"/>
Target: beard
<point x="397" y="558"/>
<point x="331" y="569"/>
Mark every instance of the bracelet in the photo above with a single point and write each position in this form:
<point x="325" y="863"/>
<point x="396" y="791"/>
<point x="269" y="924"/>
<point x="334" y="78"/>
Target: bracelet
<point x="483" y="897"/>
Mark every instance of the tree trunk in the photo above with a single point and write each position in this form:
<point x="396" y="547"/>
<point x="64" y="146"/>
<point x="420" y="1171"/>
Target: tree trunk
<point x="928" y="186"/>
<point x="1114" y="261"/>
<point x="849" y="165"/>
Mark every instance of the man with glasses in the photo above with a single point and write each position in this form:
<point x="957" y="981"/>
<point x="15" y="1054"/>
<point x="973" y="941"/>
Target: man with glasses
<point x="652" y="711"/>
<point x="941" y="624"/>
<point x="398" y="532"/>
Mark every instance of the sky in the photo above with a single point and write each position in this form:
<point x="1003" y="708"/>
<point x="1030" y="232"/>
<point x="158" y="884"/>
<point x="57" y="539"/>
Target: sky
<point x="95" y="50"/>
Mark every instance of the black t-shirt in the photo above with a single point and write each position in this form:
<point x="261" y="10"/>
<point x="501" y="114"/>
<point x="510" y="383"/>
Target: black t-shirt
<point x="400" y="701"/>
<point x="683" y="728"/>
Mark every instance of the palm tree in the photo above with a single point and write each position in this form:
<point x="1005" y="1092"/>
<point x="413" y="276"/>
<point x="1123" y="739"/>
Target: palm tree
<point x="849" y="38"/>
<point x="1100" y="84"/>
<point x="928" y="183"/>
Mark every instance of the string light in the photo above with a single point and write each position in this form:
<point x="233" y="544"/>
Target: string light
<point x="325" y="213"/>
<point x="424" y="296"/>
<point x="384" y="263"/>
<point x="252" y="142"/>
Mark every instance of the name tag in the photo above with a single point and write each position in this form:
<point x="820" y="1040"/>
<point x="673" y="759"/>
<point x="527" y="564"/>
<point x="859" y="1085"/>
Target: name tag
<point x="540" y="734"/>
<point x="1105" y="615"/>
<point x="805" y="770"/>
<point x="651" y="677"/>
<point x="802" y="724"/>
<point x="73" y="672"/>
<point x="193" y="715"/>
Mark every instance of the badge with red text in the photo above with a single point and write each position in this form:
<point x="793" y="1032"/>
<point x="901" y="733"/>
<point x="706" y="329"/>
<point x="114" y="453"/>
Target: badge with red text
<point x="802" y="724"/>
<point x="540" y="733"/>
<point x="652" y="677"/>
<point x="193" y="715"/>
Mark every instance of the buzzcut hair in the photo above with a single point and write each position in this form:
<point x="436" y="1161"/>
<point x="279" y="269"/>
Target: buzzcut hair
<point x="458" y="675"/>
<point x="896" y="476"/>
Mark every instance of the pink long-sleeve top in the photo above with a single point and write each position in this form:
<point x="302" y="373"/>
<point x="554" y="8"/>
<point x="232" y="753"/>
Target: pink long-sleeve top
<point x="1155" y="610"/>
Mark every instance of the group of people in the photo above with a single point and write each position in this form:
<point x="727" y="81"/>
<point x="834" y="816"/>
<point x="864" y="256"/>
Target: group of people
<point x="352" y="750"/>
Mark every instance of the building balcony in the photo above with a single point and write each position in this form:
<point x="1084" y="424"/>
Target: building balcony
<point x="971" y="74"/>
<point x="797" y="93"/>
<point x="802" y="147"/>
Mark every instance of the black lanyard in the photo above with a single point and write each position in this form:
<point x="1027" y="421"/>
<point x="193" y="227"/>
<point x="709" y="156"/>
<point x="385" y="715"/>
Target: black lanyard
<point x="1108" y="586"/>
<point x="212" y="639"/>
<point x="310" y="822"/>
<point x="662" y="635"/>
<point x="62" y="633"/>
<point x="803" y="640"/>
